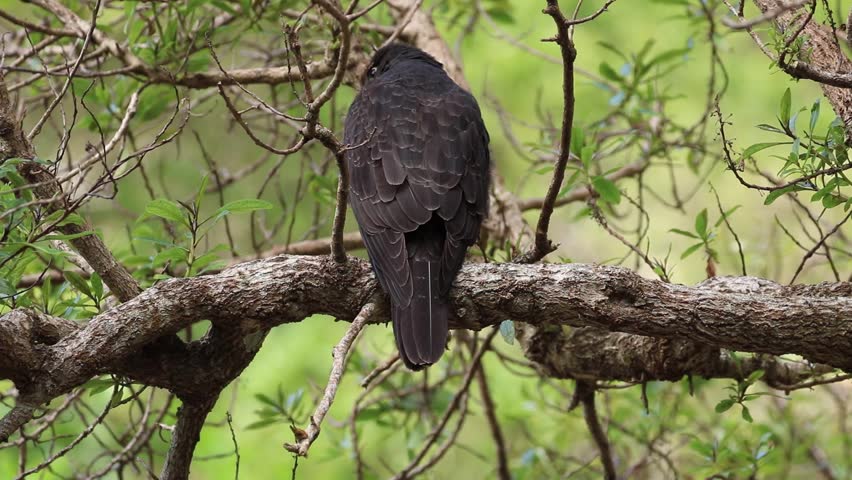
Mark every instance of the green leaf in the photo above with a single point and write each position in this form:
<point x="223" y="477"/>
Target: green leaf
<point x="72" y="219"/>
<point x="701" y="224"/>
<point x="223" y="5"/>
<point x="724" y="405"/>
<point x="578" y="140"/>
<point x="68" y="236"/>
<point x="726" y="215"/>
<point x="608" y="72"/>
<point x="606" y="188"/>
<point x="831" y="201"/>
<point x="814" y="115"/>
<point x="612" y="48"/>
<point x="755" y="376"/>
<point x="116" y="398"/>
<point x="569" y="184"/>
<point x="689" y="251"/>
<point x="265" y="399"/>
<point x="98" y="385"/>
<point x="6" y="289"/>
<point x="747" y="415"/>
<point x="97" y="285"/>
<point x="770" y="128"/>
<point x="166" y="209"/>
<point x="760" y="146"/>
<point x="247" y="205"/>
<point x="507" y="330"/>
<point x="173" y="254"/>
<point x="199" y="263"/>
<point x="261" y="423"/>
<point x="668" y="55"/>
<point x="773" y="195"/>
<point x="784" y="109"/>
<point x="53" y="217"/>
<point x="586" y="155"/>
<point x="683" y="232"/>
<point x="501" y="15"/>
<point x="200" y="194"/>
<point x="370" y="414"/>
<point x="829" y="186"/>
<point x="75" y="279"/>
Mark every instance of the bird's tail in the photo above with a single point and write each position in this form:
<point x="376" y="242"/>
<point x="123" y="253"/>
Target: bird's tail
<point x="421" y="328"/>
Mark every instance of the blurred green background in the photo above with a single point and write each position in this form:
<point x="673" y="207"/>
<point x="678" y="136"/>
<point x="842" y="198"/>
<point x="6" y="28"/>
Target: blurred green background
<point x="298" y="356"/>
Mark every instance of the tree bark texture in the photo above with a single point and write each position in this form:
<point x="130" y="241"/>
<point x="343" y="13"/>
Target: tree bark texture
<point x="51" y="356"/>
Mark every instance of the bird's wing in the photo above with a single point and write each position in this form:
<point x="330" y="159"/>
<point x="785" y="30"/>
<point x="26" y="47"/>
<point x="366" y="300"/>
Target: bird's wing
<point x="413" y="154"/>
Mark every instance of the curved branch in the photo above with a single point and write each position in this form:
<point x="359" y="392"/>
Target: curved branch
<point x="187" y="432"/>
<point x="340" y="354"/>
<point x="737" y="313"/>
<point x="543" y="245"/>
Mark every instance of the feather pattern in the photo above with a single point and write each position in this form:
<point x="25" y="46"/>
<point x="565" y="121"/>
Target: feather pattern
<point x="419" y="184"/>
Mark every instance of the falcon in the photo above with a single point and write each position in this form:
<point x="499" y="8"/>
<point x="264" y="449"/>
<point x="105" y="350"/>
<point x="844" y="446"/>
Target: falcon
<point x="419" y="168"/>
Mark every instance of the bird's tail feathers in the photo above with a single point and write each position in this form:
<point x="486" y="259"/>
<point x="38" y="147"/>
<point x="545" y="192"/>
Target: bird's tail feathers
<point x="420" y="328"/>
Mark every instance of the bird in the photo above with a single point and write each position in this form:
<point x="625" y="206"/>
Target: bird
<point x="418" y="159"/>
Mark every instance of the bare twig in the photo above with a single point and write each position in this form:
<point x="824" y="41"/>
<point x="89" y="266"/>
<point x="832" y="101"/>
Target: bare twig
<point x="415" y="467"/>
<point x="543" y="245"/>
<point x="340" y="354"/>
<point x="731" y="229"/>
<point x="586" y="395"/>
<point x="403" y="23"/>
<point x="494" y="425"/>
<point x="818" y="245"/>
<point x="770" y="15"/>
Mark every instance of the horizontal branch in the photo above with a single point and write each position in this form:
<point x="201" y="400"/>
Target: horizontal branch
<point x="583" y="193"/>
<point x="245" y="76"/>
<point x="592" y="354"/>
<point x="736" y="313"/>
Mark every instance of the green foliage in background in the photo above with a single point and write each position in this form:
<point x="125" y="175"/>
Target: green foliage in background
<point x="645" y="61"/>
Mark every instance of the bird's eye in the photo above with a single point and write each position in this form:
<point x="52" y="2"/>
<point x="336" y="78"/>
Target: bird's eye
<point x="373" y="71"/>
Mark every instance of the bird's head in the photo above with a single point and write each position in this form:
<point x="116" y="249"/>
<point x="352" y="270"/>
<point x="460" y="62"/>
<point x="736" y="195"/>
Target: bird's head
<point x="395" y="54"/>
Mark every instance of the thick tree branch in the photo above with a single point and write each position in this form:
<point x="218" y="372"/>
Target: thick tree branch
<point x="90" y="246"/>
<point x="13" y="143"/>
<point x="820" y="57"/>
<point x="589" y="353"/>
<point x="737" y="313"/>
<point x="186" y="434"/>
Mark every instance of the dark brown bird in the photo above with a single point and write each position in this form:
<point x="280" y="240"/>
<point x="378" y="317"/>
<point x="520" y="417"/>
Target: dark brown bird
<point x="419" y="189"/>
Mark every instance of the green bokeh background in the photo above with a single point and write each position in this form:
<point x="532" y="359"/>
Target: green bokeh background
<point x="299" y="355"/>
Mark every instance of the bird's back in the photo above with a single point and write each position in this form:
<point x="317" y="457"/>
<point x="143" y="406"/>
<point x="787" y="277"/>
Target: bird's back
<point x="419" y="184"/>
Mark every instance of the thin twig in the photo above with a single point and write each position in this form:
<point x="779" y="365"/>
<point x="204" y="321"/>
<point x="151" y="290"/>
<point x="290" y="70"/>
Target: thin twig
<point x="816" y="247"/>
<point x="408" y="471"/>
<point x="339" y="354"/>
<point x="731" y="229"/>
<point x="770" y="15"/>
<point x="494" y="425"/>
<point x="586" y="394"/>
<point x="543" y="245"/>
